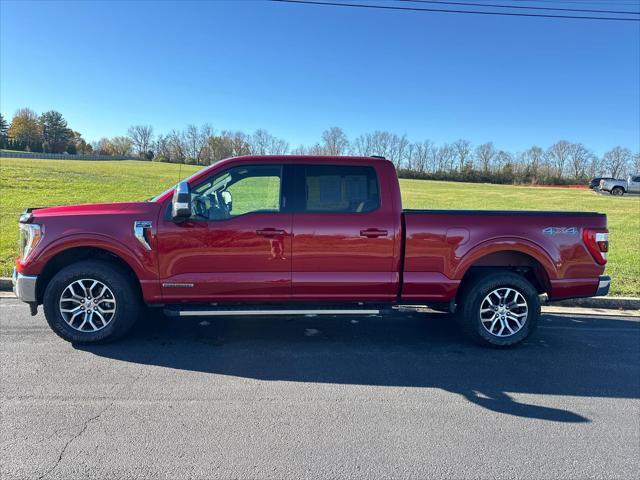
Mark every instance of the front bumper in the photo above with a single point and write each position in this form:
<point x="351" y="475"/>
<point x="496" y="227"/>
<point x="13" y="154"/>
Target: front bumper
<point x="603" y="286"/>
<point x="24" y="286"/>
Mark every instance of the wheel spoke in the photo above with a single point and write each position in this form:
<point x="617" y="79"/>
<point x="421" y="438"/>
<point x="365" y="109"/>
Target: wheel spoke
<point x="71" y="310"/>
<point x="99" y="297"/>
<point x="84" y="288"/>
<point x="493" y="324"/>
<point x="90" y="320"/>
<point x="515" y="319"/>
<point x="72" y="299"/>
<point x="73" y="291"/>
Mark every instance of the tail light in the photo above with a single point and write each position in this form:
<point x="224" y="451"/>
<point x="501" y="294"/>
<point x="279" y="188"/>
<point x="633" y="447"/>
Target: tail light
<point x="597" y="242"/>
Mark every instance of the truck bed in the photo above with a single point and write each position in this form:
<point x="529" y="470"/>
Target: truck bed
<point x="441" y="245"/>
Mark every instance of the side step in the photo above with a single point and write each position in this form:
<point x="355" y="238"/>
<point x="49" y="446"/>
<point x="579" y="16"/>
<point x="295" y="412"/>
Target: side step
<point x="215" y="311"/>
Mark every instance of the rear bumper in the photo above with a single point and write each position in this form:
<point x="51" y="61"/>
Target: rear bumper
<point x="24" y="286"/>
<point x="603" y="286"/>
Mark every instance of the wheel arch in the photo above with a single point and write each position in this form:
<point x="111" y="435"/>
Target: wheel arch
<point x="522" y="257"/>
<point x="75" y="254"/>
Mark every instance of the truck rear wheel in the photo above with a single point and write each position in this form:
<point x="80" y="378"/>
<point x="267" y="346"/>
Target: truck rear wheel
<point x="91" y="302"/>
<point x="499" y="309"/>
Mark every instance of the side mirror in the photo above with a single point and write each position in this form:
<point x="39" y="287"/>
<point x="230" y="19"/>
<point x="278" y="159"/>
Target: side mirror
<point x="181" y="203"/>
<point x="227" y="199"/>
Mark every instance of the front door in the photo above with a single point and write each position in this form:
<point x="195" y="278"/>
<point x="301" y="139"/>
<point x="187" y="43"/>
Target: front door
<point x="344" y="235"/>
<point x="237" y="243"/>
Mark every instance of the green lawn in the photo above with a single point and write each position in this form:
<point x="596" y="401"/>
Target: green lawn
<point x="38" y="183"/>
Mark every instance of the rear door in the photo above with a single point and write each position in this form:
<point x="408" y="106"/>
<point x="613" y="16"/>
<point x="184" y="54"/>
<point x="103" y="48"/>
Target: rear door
<point x="344" y="231"/>
<point x="634" y="184"/>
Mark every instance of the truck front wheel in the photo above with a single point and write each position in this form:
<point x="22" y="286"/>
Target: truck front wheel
<point x="619" y="191"/>
<point x="91" y="302"/>
<point x="499" y="309"/>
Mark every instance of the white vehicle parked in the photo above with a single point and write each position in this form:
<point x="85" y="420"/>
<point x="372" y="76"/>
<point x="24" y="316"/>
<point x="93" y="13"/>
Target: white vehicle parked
<point x="620" y="187"/>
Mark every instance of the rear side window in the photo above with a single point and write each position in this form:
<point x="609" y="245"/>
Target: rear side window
<point x="347" y="189"/>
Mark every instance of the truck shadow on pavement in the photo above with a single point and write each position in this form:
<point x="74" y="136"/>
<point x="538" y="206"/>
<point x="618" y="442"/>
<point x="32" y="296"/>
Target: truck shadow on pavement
<point x="568" y="356"/>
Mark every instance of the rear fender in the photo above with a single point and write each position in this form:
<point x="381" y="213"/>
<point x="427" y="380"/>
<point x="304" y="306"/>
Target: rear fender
<point x="550" y="261"/>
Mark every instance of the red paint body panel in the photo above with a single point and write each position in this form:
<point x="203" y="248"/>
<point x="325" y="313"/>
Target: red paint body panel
<point x="226" y="260"/>
<point x="332" y="260"/>
<point x="449" y="244"/>
<point x="421" y="257"/>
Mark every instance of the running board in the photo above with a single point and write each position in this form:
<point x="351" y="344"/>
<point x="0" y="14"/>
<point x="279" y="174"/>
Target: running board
<point x="173" y="312"/>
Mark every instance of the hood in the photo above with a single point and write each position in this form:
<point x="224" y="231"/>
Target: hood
<point x="94" y="209"/>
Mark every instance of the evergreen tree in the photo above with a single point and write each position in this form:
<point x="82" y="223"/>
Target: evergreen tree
<point x="55" y="132"/>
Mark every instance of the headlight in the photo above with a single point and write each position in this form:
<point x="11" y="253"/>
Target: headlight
<point x="30" y="236"/>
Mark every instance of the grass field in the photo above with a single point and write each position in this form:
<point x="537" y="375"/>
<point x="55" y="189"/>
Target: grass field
<point x="38" y="183"/>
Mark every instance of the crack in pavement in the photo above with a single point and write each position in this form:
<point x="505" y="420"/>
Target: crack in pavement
<point x="70" y="441"/>
<point x="84" y="428"/>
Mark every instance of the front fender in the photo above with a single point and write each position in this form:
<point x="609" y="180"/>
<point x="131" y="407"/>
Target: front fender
<point x="140" y="262"/>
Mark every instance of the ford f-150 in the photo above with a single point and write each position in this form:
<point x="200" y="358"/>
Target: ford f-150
<point x="286" y="235"/>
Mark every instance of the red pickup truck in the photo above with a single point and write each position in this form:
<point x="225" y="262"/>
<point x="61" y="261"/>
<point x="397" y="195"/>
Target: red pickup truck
<point x="284" y="235"/>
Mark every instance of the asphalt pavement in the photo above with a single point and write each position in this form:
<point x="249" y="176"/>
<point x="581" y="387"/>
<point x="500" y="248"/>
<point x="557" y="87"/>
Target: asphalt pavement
<point x="401" y="396"/>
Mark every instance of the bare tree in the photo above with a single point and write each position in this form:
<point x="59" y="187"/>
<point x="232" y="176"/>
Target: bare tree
<point x="177" y="146"/>
<point x="102" y="146"/>
<point x="616" y="160"/>
<point x="362" y="145"/>
<point x="579" y="158"/>
<point x="334" y="141"/>
<point x="300" y="150"/>
<point x="162" y="149"/>
<point x="196" y="140"/>
<point x="142" y="138"/>
<point x="462" y="151"/>
<point x="595" y="166"/>
<point x="385" y="144"/>
<point x="533" y="158"/>
<point x="558" y="155"/>
<point x="635" y="164"/>
<point x="263" y="143"/>
<point x="444" y="158"/>
<point x="419" y="156"/>
<point x="120" y="146"/>
<point x="260" y="141"/>
<point x="502" y="159"/>
<point x="279" y="146"/>
<point x="399" y="150"/>
<point x="485" y="155"/>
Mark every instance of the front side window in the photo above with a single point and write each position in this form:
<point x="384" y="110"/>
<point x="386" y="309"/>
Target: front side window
<point x="238" y="191"/>
<point x="347" y="189"/>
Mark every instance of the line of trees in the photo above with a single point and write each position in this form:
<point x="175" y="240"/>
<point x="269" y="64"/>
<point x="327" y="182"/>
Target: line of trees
<point x="48" y="133"/>
<point x="563" y="162"/>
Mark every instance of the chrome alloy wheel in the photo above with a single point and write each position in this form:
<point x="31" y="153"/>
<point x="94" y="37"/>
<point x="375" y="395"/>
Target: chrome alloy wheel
<point x="87" y="305"/>
<point x="503" y="312"/>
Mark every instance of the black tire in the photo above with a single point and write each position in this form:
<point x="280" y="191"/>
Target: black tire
<point x="473" y="295"/>
<point x="618" y="191"/>
<point x="125" y="293"/>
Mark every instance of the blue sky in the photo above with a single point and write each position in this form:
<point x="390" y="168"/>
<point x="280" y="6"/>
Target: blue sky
<point x="297" y="70"/>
